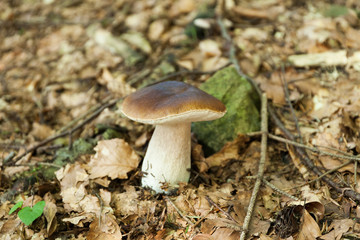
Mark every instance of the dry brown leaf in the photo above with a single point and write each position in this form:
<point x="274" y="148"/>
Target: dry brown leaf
<point x="114" y="158"/>
<point x="209" y="48"/>
<point x="157" y="28"/>
<point x="204" y="237"/>
<point x="107" y="229"/>
<point x="226" y="234"/>
<point x="116" y="85"/>
<point x="228" y="152"/>
<point x="138" y="21"/>
<point x="50" y="210"/>
<point x="180" y="7"/>
<point x="341" y="226"/>
<point x="258" y="226"/>
<point x="127" y="202"/>
<point x="73" y="180"/>
<point x="11" y="171"/>
<point x="297" y="162"/>
<point x="264" y="237"/>
<point x="79" y="219"/>
<point x="8" y="229"/>
<point x="309" y="228"/>
<point x="41" y="131"/>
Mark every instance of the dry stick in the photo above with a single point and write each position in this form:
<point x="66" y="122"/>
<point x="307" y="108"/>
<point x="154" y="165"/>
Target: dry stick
<point x="179" y="212"/>
<point x="287" y="98"/>
<point x="303" y="155"/>
<point x="215" y="205"/>
<point x="52" y="138"/>
<point x="264" y="129"/>
<point x="272" y="186"/>
<point x="202" y="218"/>
<point x="313" y="149"/>
<point x="82" y="116"/>
<point x="40" y="164"/>
<point x="326" y="173"/>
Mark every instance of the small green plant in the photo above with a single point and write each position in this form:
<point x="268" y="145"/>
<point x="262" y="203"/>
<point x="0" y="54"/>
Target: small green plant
<point x="27" y="214"/>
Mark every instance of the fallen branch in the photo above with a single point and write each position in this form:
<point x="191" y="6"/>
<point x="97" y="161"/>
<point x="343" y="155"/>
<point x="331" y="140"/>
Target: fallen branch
<point x="259" y="177"/>
<point x="287" y="98"/>
<point x="52" y="138"/>
<point x="313" y="149"/>
<point x="326" y="173"/>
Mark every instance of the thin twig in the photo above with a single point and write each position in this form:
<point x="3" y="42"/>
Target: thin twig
<point x="84" y="115"/>
<point x="313" y="149"/>
<point x="212" y="203"/>
<point x="179" y="212"/>
<point x="40" y="164"/>
<point x="52" y="138"/>
<point x="272" y="186"/>
<point x="264" y="129"/>
<point x="326" y="173"/>
<point x="204" y="217"/>
<point x="287" y="98"/>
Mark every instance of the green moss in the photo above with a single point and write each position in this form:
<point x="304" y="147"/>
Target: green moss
<point x="242" y="105"/>
<point x="79" y="147"/>
<point x="336" y="11"/>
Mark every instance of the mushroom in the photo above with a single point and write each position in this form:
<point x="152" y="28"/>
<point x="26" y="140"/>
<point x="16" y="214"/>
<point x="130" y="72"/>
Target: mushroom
<point x="171" y="106"/>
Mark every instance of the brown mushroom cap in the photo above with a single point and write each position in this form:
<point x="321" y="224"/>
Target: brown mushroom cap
<point x="172" y="102"/>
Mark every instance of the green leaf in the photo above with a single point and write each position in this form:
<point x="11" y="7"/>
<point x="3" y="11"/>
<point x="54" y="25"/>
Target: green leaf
<point x="27" y="215"/>
<point x="15" y="207"/>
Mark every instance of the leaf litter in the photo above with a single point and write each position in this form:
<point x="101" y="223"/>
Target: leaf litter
<point x="59" y="59"/>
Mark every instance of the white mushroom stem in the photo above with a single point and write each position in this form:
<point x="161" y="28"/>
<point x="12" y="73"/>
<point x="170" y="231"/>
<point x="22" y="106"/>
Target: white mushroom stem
<point x="168" y="159"/>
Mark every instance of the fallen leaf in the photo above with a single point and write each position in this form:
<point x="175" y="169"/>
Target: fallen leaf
<point x="49" y="213"/>
<point x="309" y="228"/>
<point x="228" y="152"/>
<point x="114" y="158"/>
<point x="41" y="131"/>
<point x="204" y="237"/>
<point x="105" y="229"/>
<point x="341" y="226"/>
<point x="116" y="85"/>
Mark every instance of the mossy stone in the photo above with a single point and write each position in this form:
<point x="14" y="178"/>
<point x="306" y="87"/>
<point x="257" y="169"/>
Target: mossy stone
<point x="242" y="103"/>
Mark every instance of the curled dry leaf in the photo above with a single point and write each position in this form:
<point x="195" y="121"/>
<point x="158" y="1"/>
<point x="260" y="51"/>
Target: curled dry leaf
<point x="309" y="228"/>
<point x="114" y="158"/>
<point x="50" y="210"/>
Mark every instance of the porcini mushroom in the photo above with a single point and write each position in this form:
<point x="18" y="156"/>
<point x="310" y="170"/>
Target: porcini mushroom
<point x="171" y="106"/>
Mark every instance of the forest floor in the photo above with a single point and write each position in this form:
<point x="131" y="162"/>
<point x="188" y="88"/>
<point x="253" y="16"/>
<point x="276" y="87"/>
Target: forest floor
<point x="65" y="67"/>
